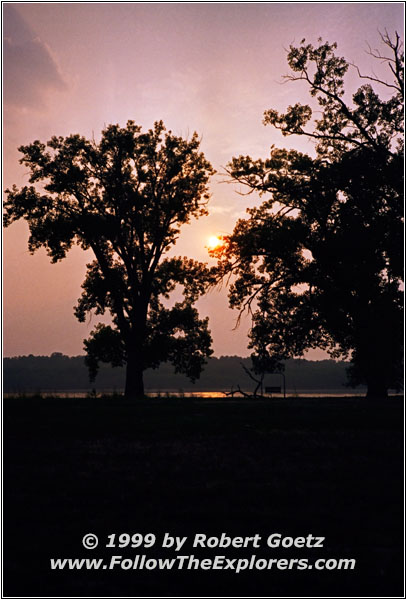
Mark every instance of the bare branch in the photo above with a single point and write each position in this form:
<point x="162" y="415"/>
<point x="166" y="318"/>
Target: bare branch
<point x="375" y="79"/>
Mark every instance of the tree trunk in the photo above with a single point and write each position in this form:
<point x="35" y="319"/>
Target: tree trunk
<point x="134" y="376"/>
<point x="376" y="388"/>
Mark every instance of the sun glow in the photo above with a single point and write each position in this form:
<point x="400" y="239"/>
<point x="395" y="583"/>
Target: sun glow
<point x="214" y="242"/>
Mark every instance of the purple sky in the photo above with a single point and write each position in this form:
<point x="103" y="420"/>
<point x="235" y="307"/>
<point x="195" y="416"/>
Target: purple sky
<point x="210" y="68"/>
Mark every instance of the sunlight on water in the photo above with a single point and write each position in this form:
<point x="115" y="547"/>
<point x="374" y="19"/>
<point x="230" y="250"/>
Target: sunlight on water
<point x="182" y="394"/>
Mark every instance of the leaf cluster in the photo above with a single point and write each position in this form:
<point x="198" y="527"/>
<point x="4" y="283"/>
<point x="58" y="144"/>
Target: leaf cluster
<point x="368" y="121"/>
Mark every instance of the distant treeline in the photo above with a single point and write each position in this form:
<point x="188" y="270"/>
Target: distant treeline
<point x="59" y="373"/>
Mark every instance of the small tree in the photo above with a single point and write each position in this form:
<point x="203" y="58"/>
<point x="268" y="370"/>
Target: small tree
<point x="125" y="198"/>
<point x="319" y="263"/>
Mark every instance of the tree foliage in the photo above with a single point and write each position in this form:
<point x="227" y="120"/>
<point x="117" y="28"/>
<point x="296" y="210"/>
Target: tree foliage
<point x="125" y="198"/>
<point x="319" y="262"/>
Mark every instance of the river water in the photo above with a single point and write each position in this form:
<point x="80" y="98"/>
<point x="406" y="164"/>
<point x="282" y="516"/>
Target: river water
<point x="344" y="393"/>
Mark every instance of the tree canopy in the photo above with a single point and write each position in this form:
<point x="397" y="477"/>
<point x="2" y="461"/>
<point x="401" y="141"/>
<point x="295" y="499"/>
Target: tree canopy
<point x="125" y="198"/>
<point x="319" y="262"/>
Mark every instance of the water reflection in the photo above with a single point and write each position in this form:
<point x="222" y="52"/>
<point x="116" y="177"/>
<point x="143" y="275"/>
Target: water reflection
<point x="188" y="394"/>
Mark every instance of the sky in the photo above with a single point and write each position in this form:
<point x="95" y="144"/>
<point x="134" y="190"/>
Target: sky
<point x="206" y="67"/>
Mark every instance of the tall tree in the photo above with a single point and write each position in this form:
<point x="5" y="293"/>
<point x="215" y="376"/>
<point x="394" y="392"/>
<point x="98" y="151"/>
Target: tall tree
<point x="125" y="198"/>
<point x="319" y="263"/>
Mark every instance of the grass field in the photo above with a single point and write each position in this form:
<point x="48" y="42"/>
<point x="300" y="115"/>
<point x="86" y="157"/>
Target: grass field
<point x="327" y="467"/>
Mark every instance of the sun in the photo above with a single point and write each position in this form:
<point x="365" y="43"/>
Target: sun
<point x="214" y="242"/>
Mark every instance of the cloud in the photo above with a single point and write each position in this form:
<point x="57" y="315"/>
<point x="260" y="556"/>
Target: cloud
<point x="29" y="70"/>
<point x="221" y="210"/>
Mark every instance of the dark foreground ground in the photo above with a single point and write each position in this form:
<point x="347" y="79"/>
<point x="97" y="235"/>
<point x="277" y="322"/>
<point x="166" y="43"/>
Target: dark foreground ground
<point x="326" y="467"/>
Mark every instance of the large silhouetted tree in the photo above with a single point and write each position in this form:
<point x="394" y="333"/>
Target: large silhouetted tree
<point x="124" y="198"/>
<point x="320" y="262"/>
